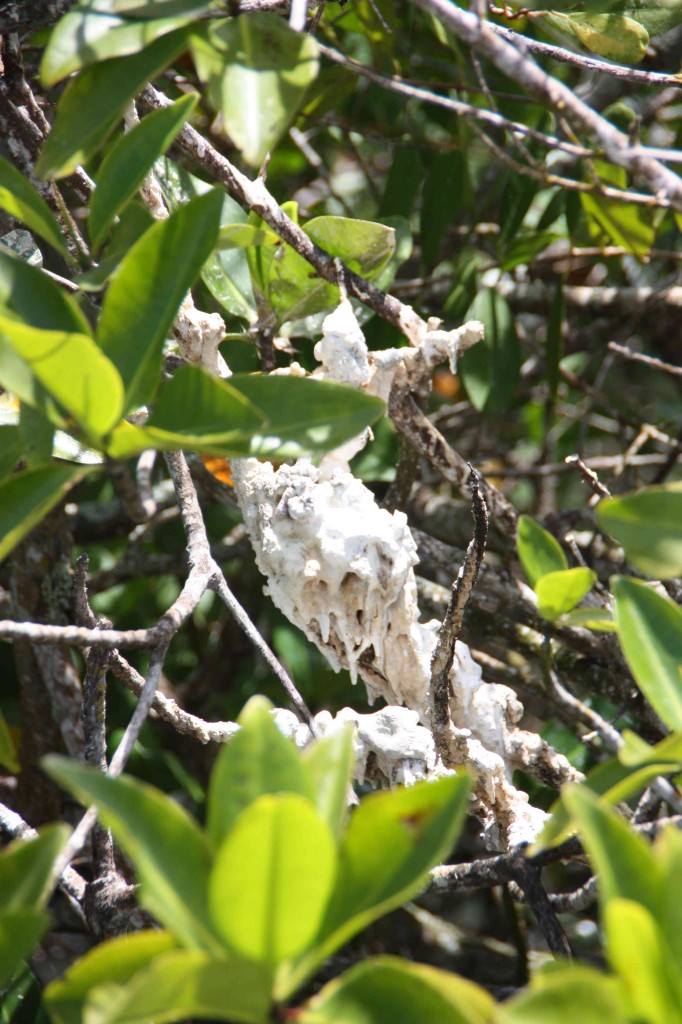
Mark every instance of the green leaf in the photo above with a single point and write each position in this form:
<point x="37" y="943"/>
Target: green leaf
<point x="559" y="592"/>
<point x="272" y="878"/>
<point x="72" y="370"/>
<point x="239" y="236"/>
<point x="403" y="180"/>
<point x="636" y="751"/>
<point x="392" y="841"/>
<point x="97" y="30"/>
<point x="491" y="369"/>
<point x="128" y="162"/>
<point x="539" y="552"/>
<point x="256" y="70"/>
<point x="658" y="17"/>
<point x="650" y="633"/>
<point x="37" y="436"/>
<point x="27" y="497"/>
<point x="526" y="247"/>
<point x="329" y="764"/>
<point x="26" y="867"/>
<point x="170" y="853"/>
<point x="648" y="525"/>
<point x="554" y="996"/>
<point x="8" y="751"/>
<point x="626" y="224"/>
<point x="94" y="101"/>
<point x="11" y="449"/>
<point x="622" y="858"/>
<point x="259" y="759"/>
<point x="20" y="931"/>
<point x="599" y="619"/>
<point x="36" y="299"/>
<point x="20" y="199"/>
<point x="147" y="289"/>
<point x="305" y="416"/>
<point x="115" y="962"/>
<point x="639" y="955"/>
<point x="614" y="36"/>
<point x="445" y="189"/>
<point x="387" y="990"/>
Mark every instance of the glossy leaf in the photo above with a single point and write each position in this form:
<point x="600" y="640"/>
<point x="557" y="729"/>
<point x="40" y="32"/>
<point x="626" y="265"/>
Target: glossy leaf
<point x="147" y="289"/>
<point x="20" y="931"/>
<point x="639" y="955"/>
<point x="329" y="764"/>
<point x="539" y="552"/>
<point x="272" y="878"/>
<point x="97" y="30"/>
<point x="385" y="990"/>
<point x="490" y="370"/>
<point x="26" y="867"/>
<point x="258" y="759"/>
<point x="392" y="841"/>
<point x="26" y="498"/>
<point x="72" y="370"/>
<point x="650" y="633"/>
<point x="635" y="751"/>
<point x="115" y="962"/>
<point x="554" y="995"/>
<point x="37" y="300"/>
<point x="614" y="36"/>
<point x="559" y="592"/>
<point x="648" y="525"/>
<point x="20" y="199"/>
<point x="168" y="849"/>
<point x="256" y="70"/>
<point x="128" y="162"/>
<point x="181" y="984"/>
<point x="598" y="619"/>
<point x="94" y="101"/>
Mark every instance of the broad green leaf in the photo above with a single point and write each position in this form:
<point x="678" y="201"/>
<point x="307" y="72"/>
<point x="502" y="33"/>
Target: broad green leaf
<point x="648" y="525"/>
<point x="403" y="180"/>
<point x="147" y="289"/>
<point x="94" y="101"/>
<point x="626" y="224"/>
<point x="256" y="70"/>
<point x="539" y="552"/>
<point x="329" y="765"/>
<point x="170" y="853"/>
<point x="636" y="751"/>
<point x="668" y="850"/>
<point x="115" y="962"/>
<point x="526" y="247"/>
<point x="20" y="931"/>
<point x="238" y="236"/>
<point x="97" y="30"/>
<point x="305" y="416"/>
<point x="8" y="751"/>
<point x="128" y="162"/>
<point x="639" y="955"/>
<point x="599" y="619"/>
<point x="557" y="996"/>
<point x="364" y="245"/>
<point x="26" y="869"/>
<point x="559" y="592"/>
<point x="37" y="436"/>
<point x="142" y="977"/>
<point x="658" y="17"/>
<point x="650" y="633"/>
<point x="37" y="300"/>
<point x="388" y="990"/>
<point x="445" y="190"/>
<point x="490" y="370"/>
<point x="614" y="36"/>
<point x="258" y="759"/>
<point x="622" y="859"/>
<point x="272" y="878"/>
<point x="20" y="199"/>
<point x="27" y="497"/>
<point x="391" y="842"/>
<point x="71" y="369"/>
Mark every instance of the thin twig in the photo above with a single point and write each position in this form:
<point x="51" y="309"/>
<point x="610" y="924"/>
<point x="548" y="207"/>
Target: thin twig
<point x="589" y="474"/>
<point x="639" y="357"/>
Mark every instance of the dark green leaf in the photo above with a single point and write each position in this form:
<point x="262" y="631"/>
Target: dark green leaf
<point x="39" y="302"/>
<point x="650" y="633"/>
<point x="26" y="867"/>
<point x="490" y="370"/>
<point x="444" y="192"/>
<point x="27" y="497"/>
<point x="20" y="931"/>
<point x="20" y="199"/>
<point x="259" y="759"/>
<point x="147" y="289"/>
<point x="11" y="448"/>
<point x="402" y="183"/>
<point x="170" y="853"/>
<point x="128" y="161"/>
<point x="95" y="100"/>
